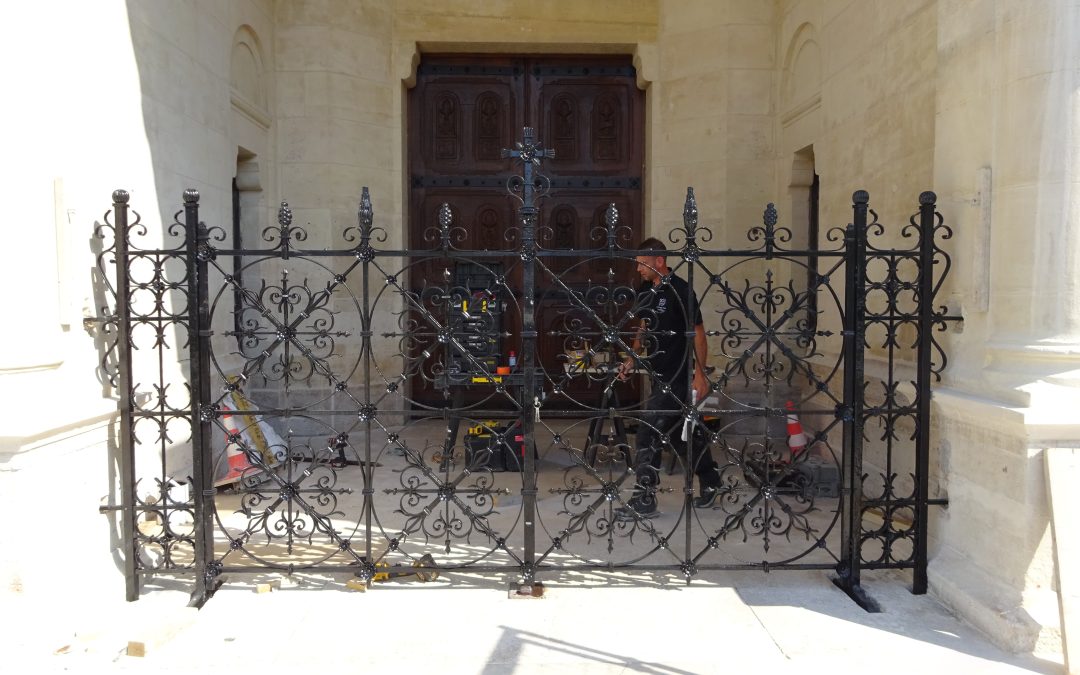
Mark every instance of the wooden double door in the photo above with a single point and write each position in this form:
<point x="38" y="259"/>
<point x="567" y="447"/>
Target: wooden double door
<point x="463" y="111"/>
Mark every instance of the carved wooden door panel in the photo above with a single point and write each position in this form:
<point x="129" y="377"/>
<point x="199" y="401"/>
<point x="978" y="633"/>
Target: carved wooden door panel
<point x="463" y="111"/>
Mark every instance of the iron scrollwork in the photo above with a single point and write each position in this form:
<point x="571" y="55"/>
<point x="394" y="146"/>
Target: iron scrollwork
<point x="307" y="398"/>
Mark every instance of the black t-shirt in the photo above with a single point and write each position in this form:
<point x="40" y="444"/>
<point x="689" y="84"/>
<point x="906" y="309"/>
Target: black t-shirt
<point x="663" y="312"/>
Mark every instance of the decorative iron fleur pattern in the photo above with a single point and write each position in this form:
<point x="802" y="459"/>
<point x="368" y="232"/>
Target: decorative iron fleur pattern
<point x="322" y="346"/>
<point x="448" y="507"/>
<point x="287" y="329"/>
<point x="597" y="483"/>
<point x="295" y="504"/>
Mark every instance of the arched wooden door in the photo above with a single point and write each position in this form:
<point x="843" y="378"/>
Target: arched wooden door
<point x="465" y="109"/>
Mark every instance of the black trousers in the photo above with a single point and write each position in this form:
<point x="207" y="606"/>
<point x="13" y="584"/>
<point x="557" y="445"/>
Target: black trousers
<point x="663" y="418"/>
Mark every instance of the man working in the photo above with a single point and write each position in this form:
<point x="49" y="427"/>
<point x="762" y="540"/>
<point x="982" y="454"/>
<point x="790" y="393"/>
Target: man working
<point x="662" y="306"/>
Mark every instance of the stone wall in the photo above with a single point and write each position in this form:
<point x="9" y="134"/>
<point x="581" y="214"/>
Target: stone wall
<point x="712" y="107"/>
<point x="143" y="105"/>
<point x="857" y="82"/>
<point x="112" y="95"/>
<point x="1005" y="167"/>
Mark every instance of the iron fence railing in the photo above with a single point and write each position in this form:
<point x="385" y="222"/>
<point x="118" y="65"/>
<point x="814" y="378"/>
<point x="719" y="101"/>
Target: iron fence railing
<point x="267" y="419"/>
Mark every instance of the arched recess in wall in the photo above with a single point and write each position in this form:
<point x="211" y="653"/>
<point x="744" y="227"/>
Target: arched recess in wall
<point x="800" y="89"/>
<point x="800" y="102"/>
<point x="247" y="76"/>
<point x="249" y="126"/>
<point x="249" y="136"/>
<point x="800" y="121"/>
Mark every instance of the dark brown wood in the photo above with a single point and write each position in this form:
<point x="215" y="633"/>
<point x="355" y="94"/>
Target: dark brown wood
<point x="462" y="112"/>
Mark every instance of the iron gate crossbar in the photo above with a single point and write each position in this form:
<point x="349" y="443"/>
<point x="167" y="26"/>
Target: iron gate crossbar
<point x="271" y="384"/>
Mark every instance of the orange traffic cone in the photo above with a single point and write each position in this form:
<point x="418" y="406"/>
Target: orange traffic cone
<point x="796" y="438"/>
<point x="234" y="453"/>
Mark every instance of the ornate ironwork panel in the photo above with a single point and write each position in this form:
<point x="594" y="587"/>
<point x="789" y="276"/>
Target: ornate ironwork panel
<point x="149" y="276"/>
<point x="290" y="391"/>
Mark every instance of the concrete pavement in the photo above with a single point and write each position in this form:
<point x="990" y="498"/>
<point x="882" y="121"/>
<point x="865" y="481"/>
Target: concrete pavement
<point x="62" y="609"/>
<point x="465" y="623"/>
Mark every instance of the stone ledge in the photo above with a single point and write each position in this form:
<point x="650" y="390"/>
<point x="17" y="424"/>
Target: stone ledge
<point x="21" y="452"/>
<point x="984" y="602"/>
<point x="1051" y="417"/>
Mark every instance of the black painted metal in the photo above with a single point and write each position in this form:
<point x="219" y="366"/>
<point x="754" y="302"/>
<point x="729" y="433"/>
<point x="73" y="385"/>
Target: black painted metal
<point x="154" y="292"/>
<point x="291" y="389"/>
<point x="199" y="254"/>
<point x="126" y="391"/>
<point x="467" y="69"/>
<point x="930" y="254"/>
<point x="584" y="71"/>
<point x="530" y="154"/>
<point x="850" y="568"/>
<point x="560" y="182"/>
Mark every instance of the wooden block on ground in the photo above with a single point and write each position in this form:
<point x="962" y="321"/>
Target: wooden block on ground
<point x="151" y="633"/>
<point x="266" y="587"/>
<point x="356" y="585"/>
<point x="526" y="591"/>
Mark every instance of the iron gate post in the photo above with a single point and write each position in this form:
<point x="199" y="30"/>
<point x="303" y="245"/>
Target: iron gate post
<point x="529" y="152"/>
<point x="365" y="219"/>
<point x="529" y="406"/>
<point x="198" y="253"/>
<point x="927" y="216"/>
<point x="849" y="568"/>
<point x="528" y="353"/>
<point x="690" y="255"/>
<point x="127" y="396"/>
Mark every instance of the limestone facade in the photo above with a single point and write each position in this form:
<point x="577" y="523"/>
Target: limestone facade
<point x="304" y="100"/>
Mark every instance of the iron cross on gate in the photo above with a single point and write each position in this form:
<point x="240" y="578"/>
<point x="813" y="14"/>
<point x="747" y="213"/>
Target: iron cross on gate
<point x="529" y="153"/>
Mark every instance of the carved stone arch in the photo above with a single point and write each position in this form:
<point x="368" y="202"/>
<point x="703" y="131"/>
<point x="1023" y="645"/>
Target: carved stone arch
<point x="247" y="75"/>
<point x="488" y="126"/>
<point x="800" y="89"/>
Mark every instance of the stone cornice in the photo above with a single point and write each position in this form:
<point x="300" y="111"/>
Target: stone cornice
<point x="1042" y="424"/>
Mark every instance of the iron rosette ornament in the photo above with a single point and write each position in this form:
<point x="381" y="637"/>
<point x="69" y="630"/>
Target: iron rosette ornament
<point x="447" y="502"/>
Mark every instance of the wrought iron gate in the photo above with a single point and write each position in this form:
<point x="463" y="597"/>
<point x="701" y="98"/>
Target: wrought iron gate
<point x="265" y="423"/>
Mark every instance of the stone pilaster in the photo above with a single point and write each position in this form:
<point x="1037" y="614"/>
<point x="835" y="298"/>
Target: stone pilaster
<point x="1007" y="166"/>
